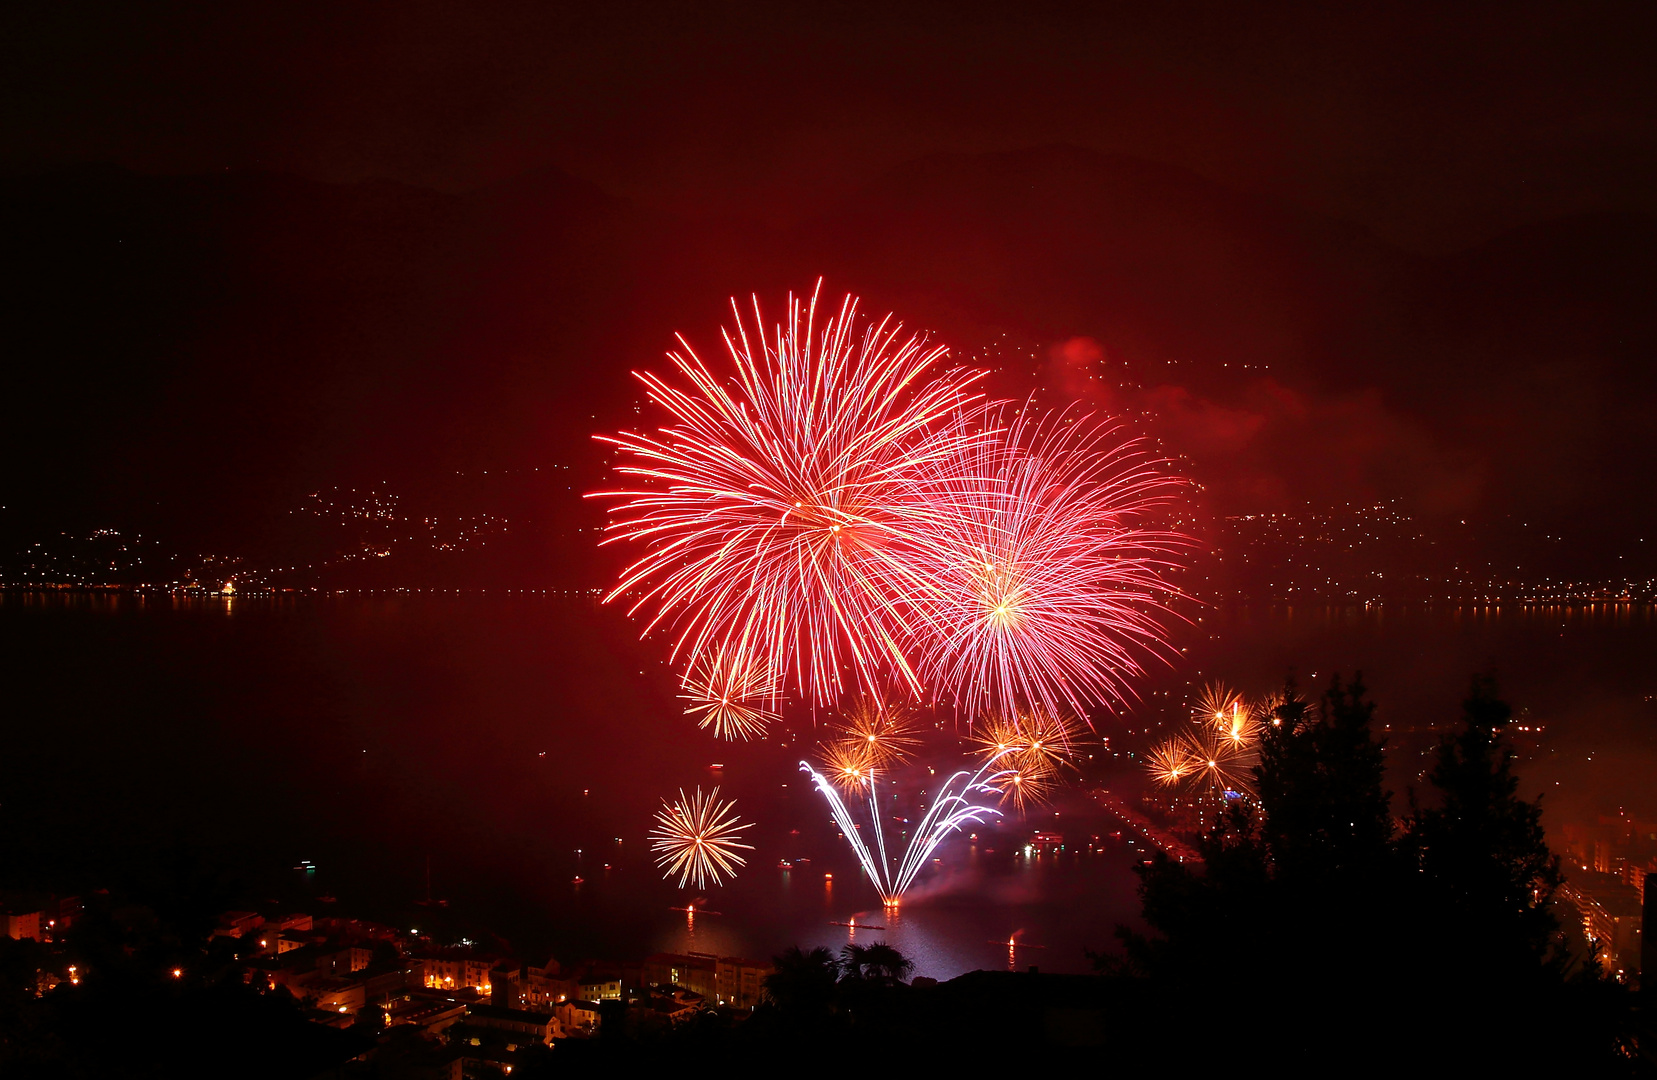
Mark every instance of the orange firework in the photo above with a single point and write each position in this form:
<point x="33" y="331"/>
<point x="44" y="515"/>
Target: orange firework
<point x="1050" y="735"/>
<point x="697" y="837"/>
<point x="1220" y="749"/>
<point x="872" y="739"/>
<point x="998" y="735"/>
<point x="727" y="696"/>
<point x="887" y="732"/>
<point x="848" y="764"/>
<point x="1225" y="765"/>
<point x="1027" y="785"/>
<point x="1170" y="762"/>
<point x="1031" y="751"/>
<point x="1267" y="709"/>
<point x="1224" y="712"/>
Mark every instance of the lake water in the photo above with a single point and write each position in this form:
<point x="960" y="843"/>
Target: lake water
<point x="511" y="743"/>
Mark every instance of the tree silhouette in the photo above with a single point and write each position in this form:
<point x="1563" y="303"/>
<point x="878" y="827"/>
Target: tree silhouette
<point x="879" y="962"/>
<point x="854" y="959"/>
<point x="1325" y="811"/>
<point x="1481" y="850"/>
<point x="803" y="982"/>
<point x="1425" y="946"/>
<point x="882" y="961"/>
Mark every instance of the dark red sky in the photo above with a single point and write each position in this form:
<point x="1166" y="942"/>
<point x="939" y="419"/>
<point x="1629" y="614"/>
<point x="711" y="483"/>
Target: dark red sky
<point x="1435" y="125"/>
<point x="1348" y="252"/>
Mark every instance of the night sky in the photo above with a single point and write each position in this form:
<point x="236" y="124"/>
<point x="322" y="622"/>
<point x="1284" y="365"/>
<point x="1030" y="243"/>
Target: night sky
<point x="306" y="308"/>
<point x="1326" y="255"/>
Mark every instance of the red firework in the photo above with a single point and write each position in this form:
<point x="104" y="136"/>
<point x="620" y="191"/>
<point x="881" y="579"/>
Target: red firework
<point x="1047" y="589"/>
<point x="780" y="510"/>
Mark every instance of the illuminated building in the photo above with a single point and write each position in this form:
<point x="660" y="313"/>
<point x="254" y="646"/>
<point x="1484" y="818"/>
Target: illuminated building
<point x="526" y="1027"/>
<point x="455" y="970"/>
<point x="1611" y="918"/>
<point x="599" y="985"/>
<point x="1648" y="911"/>
<point x="723" y="980"/>
<point x="577" y="1017"/>
<point x="740" y="983"/>
<point x="24" y="925"/>
<point x="433" y="1017"/>
<point x="506" y="984"/>
<point x="696" y="972"/>
<point x="238" y="924"/>
<point x="333" y="994"/>
<point x="543" y="989"/>
<point x="344" y="960"/>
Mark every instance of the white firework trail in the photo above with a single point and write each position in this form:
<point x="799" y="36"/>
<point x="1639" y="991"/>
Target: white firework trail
<point x="950" y="811"/>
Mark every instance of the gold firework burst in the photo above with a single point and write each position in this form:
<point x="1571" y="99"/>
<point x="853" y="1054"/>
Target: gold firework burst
<point x="1032" y="752"/>
<point x="886" y="731"/>
<point x="1268" y="710"/>
<point x="848" y="764"/>
<point x="1170" y="762"/>
<point x="1028" y="783"/>
<point x="871" y="738"/>
<point x="1220" y="762"/>
<point x="726" y="695"/>
<point x="697" y="838"/>
<point x="1050" y="736"/>
<point x="998" y="735"/>
<point x="1224" y="712"/>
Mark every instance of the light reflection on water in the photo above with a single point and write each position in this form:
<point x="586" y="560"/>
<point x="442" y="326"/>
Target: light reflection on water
<point x="957" y="921"/>
<point x="495" y="736"/>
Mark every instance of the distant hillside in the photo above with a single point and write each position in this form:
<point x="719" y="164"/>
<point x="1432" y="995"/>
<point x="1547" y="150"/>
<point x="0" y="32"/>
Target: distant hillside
<point x="192" y="354"/>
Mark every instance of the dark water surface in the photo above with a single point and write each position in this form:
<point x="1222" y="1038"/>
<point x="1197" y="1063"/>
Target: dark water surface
<point x="515" y="742"/>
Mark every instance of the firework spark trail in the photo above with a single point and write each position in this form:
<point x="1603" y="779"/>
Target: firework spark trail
<point x="698" y="837"/>
<point x="1034" y="750"/>
<point x="1047" y="590"/>
<point x="1226" y="713"/>
<point x="947" y="814"/>
<point x="886" y="731"/>
<point x="1170" y="762"/>
<point x="726" y="696"/>
<point x="950" y="811"/>
<point x="777" y="512"/>
<point x="1220" y="750"/>
<point x="849" y="764"/>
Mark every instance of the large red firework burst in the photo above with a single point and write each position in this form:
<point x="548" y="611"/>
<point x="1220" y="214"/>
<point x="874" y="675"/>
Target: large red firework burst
<point x="780" y="508"/>
<point x="1046" y="589"/>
